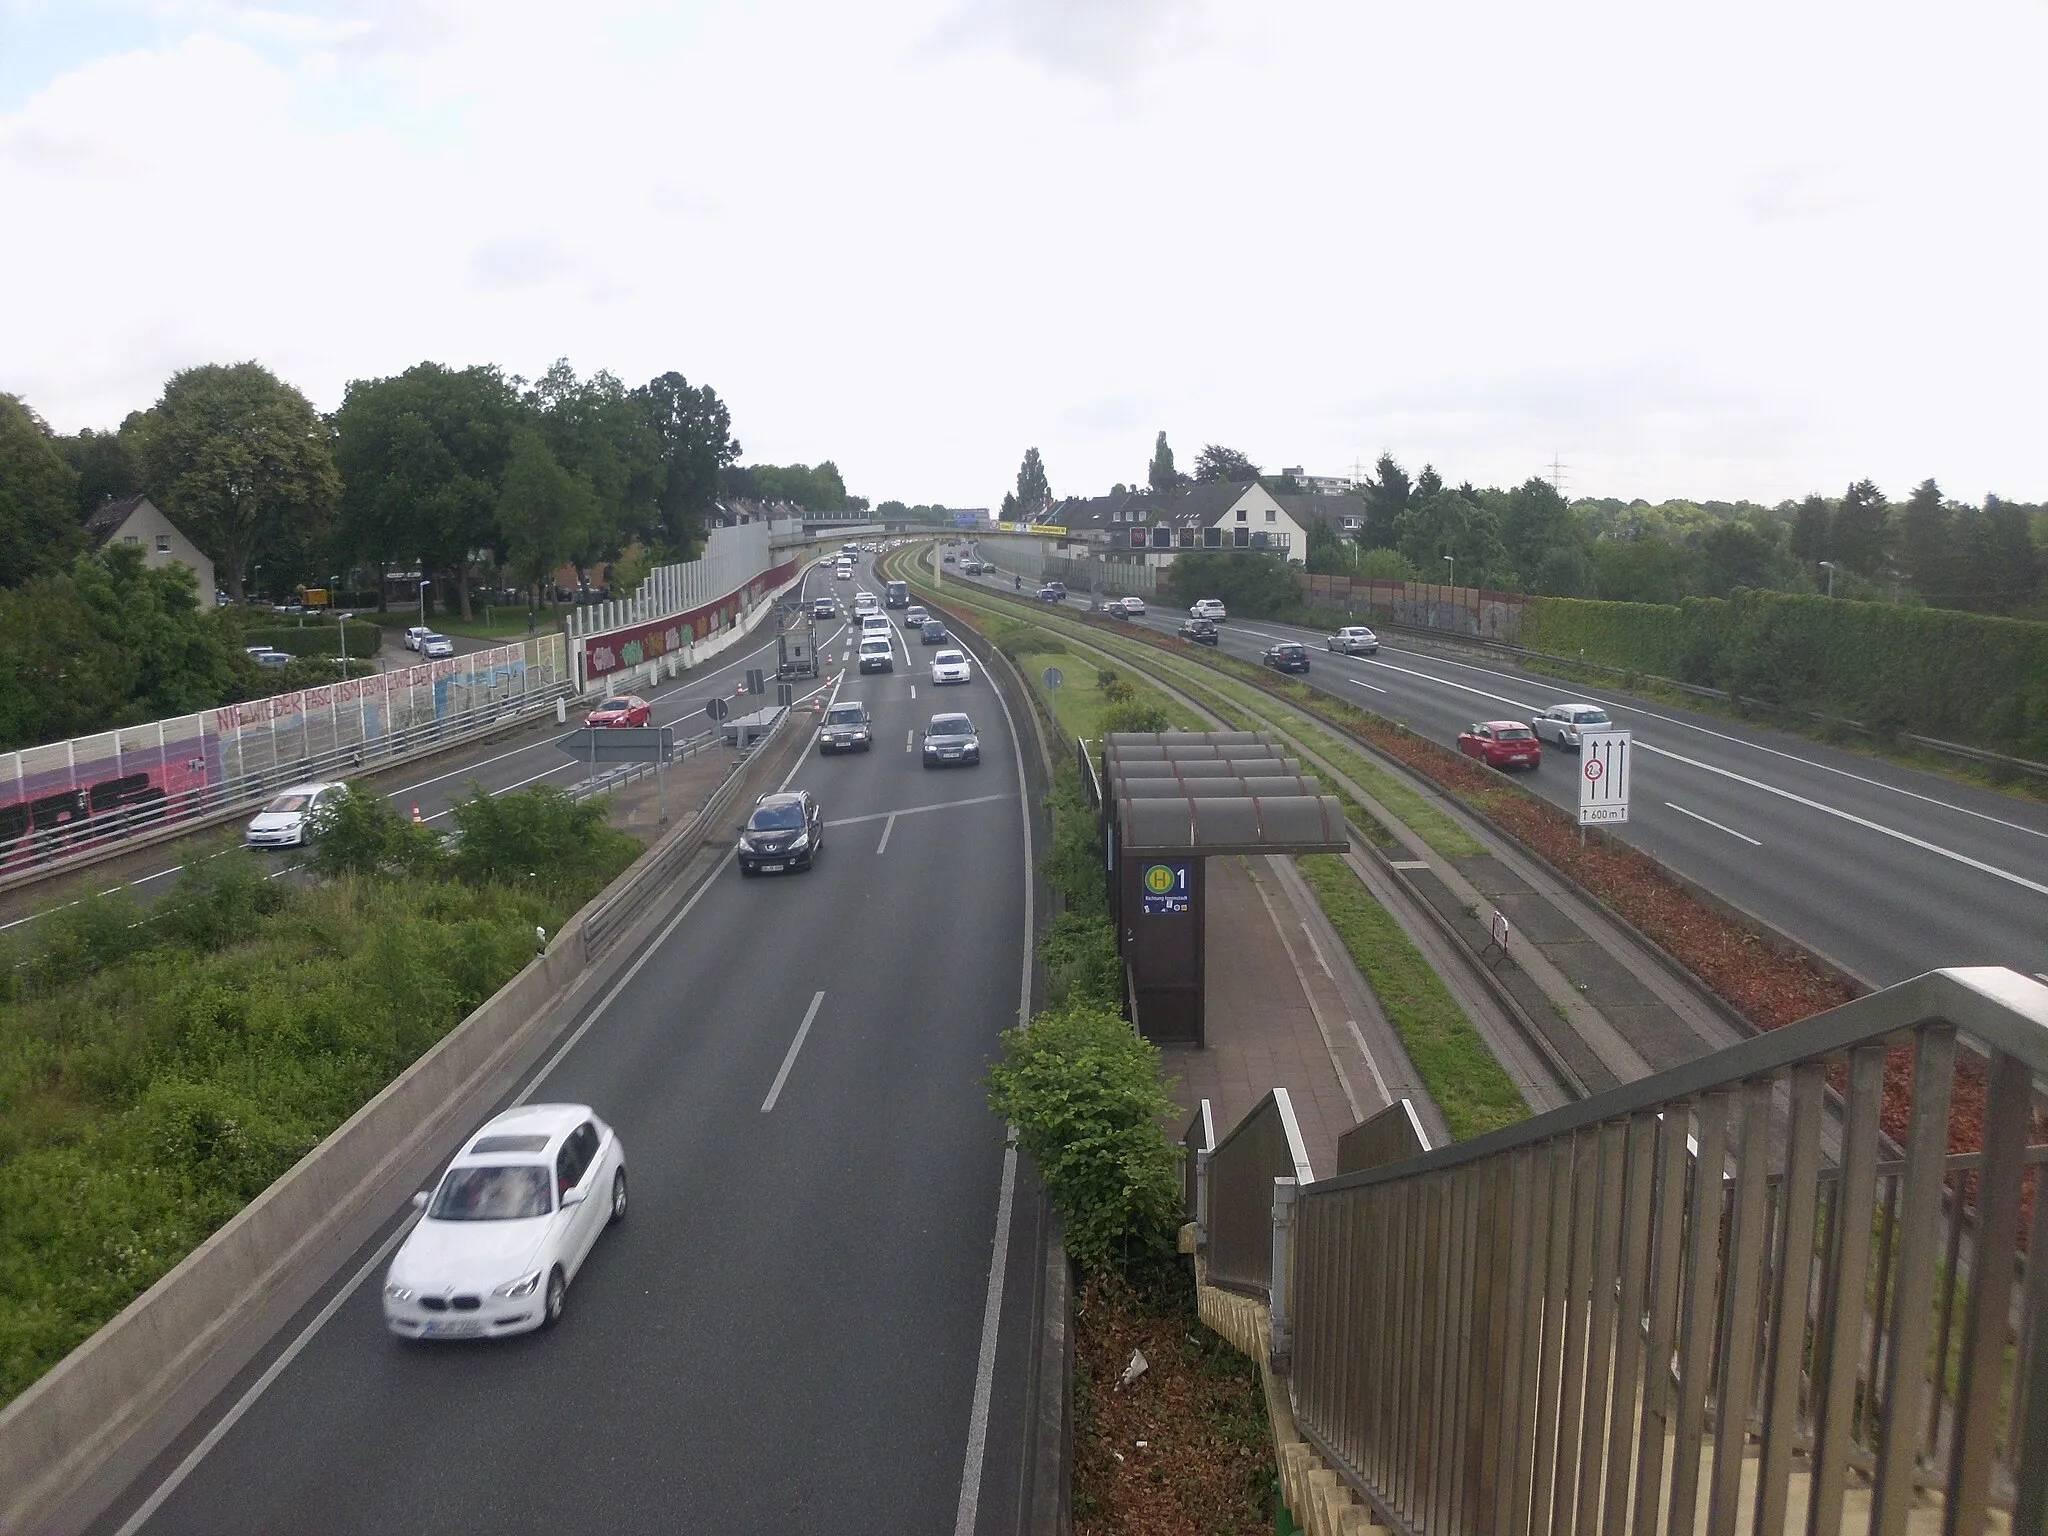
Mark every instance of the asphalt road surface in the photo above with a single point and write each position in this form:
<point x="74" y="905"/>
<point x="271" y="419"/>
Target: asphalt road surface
<point x="1887" y="870"/>
<point x="788" y="1331"/>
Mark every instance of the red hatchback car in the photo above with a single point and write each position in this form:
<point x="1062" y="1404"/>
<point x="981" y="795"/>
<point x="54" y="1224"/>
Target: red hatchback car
<point x="621" y="709"/>
<point x="1501" y="744"/>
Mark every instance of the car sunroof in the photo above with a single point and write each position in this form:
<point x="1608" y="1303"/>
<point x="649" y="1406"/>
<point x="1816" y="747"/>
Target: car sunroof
<point x="509" y="1144"/>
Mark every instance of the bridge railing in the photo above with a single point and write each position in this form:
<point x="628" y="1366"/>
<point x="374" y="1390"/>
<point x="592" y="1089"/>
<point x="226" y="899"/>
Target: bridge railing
<point x="1782" y="1287"/>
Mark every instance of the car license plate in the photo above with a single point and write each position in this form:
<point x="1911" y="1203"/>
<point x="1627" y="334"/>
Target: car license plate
<point x="770" y="869"/>
<point x="454" y="1330"/>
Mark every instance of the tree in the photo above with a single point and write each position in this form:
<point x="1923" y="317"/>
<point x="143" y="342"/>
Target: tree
<point x="693" y="431"/>
<point x="544" y="512"/>
<point x="1448" y="524"/>
<point x="1926" y="548"/>
<point x="422" y="457"/>
<point x="819" y="489"/>
<point x="108" y="467"/>
<point x="1733" y="554"/>
<point x="1215" y="462"/>
<point x="1034" y="491"/>
<point x="1859" y="532"/>
<point x="1255" y="585"/>
<point x="598" y="431"/>
<point x="1164" y="478"/>
<point x="233" y="454"/>
<point x="1810" y="530"/>
<point x="1386" y="498"/>
<point x="39" y="529"/>
<point x="1999" y="567"/>
<point x="1427" y="484"/>
<point x="1535" y="524"/>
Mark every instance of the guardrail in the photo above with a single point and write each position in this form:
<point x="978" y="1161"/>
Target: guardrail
<point x="1719" y="1291"/>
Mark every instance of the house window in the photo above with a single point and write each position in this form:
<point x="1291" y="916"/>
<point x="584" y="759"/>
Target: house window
<point x="1244" y="538"/>
<point x="163" y="543"/>
<point x="1240" y="514"/>
<point x="1162" y="538"/>
<point x="1212" y="538"/>
<point x="1187" y="538"/>
<point x="129" y="538"/>
<point x="1272" y="517"/>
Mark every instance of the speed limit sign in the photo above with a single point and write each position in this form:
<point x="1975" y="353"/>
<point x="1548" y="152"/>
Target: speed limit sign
<point x="1603" y="778"/>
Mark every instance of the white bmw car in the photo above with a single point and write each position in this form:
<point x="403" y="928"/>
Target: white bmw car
<point x="951" y="667"/>
<point x="508" y="1227"/>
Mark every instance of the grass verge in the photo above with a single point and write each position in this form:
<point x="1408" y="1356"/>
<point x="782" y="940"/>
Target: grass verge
<point x="1469" y="1086"/>
<point x="159" y="1068"/>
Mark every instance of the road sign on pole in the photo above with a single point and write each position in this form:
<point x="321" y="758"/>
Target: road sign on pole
<point x="718" y="709"/>
<point x="621" y="744"/>
<point x="1603" y="778"/>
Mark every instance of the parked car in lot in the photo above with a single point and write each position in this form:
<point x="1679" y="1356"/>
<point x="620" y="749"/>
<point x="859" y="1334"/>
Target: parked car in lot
<point x="1208" y="608"/>
<point x="847" y="728"/>
<point x="435" y="646"/>
<point x="1565" y="723"/>
<point x="620" y="709"/>
<point x="287" y="821"/>
<point x="950" y="740"/>
<point x="414" y="634"/>
<point x="952" y="667"/>
<point x="508" y="1227"/>
<point x="1354" y="640"/>
<point x="785" y="831"/>
<point x="1287" y="656"/>
<point x="1199" y="631"/>
<point x="934" y="633"/>
<point x="264" y="656"/>
<point x="1501" y="744"/>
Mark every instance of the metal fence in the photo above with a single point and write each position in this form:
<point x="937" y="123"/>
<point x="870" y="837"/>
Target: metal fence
<point x="1721" y="1299"/>
<point x="1262" y="1150"/>
<point x="73" y="799"/>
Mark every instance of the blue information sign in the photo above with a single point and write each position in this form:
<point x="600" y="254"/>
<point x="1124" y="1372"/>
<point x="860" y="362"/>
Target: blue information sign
<point x="1166" y="888"/>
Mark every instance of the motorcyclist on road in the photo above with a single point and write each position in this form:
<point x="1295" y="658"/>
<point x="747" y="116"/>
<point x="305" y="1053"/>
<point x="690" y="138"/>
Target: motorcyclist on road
<point x="1020" y="583"/>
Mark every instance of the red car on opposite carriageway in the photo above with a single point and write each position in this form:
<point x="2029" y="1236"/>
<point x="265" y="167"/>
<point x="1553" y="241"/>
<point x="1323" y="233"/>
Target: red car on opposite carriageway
<point x="1501" y="744"/>
<point x="620" y="709"/>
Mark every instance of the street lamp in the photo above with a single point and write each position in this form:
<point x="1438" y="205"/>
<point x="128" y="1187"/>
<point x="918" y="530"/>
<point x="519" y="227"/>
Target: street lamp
<point x="1829" y="565"/>
<point x="340" y="623"/>
<point x="1454" y="568"/>
<point x="424" y="584"/>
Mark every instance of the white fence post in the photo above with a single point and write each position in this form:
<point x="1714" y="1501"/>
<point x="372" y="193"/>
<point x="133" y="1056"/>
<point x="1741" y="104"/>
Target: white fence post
<point x="1283" y="1232"/>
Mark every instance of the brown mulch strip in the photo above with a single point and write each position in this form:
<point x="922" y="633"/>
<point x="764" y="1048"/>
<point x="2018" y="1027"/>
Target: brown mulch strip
<point x="1186" y="1447"/>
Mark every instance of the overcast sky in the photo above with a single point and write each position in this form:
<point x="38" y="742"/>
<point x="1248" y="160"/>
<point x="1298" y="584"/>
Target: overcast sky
<point x="1742" y="250"/>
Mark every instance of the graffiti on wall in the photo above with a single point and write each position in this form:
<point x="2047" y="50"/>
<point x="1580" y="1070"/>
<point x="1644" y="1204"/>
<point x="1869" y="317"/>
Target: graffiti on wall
<point x="623" y="649"/>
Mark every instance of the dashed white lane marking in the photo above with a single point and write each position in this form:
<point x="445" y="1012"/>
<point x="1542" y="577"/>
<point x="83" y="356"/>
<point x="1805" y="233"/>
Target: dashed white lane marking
<point x="788" y="1061"/>
<point x="888" y="826"/>
<point x="1362" y="683"/>
<point x="916" y="810"/>
<point x="1709" y="821"/>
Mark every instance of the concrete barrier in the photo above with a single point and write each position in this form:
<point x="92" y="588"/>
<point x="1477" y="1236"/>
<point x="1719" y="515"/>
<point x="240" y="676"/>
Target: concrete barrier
<point x="64" y="1430"/>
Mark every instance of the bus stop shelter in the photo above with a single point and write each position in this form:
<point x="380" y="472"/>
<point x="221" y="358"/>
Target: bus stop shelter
<point x="1168" y="801"/>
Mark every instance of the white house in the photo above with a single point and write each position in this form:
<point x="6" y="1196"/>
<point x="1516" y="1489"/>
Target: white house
<point x="136" y="521"/>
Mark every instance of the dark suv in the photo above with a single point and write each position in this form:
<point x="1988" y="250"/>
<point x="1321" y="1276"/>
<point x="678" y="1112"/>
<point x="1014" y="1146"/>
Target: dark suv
<point x="1286" y="657"/>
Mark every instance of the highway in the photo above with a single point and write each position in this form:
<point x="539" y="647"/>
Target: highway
<point x="1887" y="870"/>
<point x="792" y="1327"/>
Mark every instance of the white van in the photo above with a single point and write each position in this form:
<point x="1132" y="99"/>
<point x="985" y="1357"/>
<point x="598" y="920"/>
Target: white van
<point x="874" y="624"/>
<point x="877" y="654"/>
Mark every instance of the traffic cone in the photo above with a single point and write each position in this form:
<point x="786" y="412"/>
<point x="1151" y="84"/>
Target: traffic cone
<point x="416" y="813"/>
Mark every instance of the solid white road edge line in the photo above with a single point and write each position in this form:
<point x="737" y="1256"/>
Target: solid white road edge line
<point x="788" y="1061"/>
<point x="1696" y="816"/>
<point x="247" y="1400"/>
<point x="992" y="1307"/>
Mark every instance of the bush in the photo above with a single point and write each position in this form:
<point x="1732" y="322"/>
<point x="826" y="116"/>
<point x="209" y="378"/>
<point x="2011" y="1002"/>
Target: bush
<point x="1133" y="716"/>
<point x="539" y="835"/>
<point x="1081" y="961"/>
<point x="1249" y="584"/>
<point x="1084" y="1093"/>
<point x="360" y="832"/>
<point x="1073" y="861"/>
<point x="317" y="639"/>
<point x="1113" y="686"/>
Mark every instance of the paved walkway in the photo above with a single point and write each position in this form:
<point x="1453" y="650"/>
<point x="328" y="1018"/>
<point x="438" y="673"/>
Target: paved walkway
<point x="1286" y="1009"/>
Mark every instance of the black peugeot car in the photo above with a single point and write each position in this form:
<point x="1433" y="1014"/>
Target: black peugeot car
<point x="1200" y="631"/>
<point x="786" y="831"/>
<point x="1286" y="657"/>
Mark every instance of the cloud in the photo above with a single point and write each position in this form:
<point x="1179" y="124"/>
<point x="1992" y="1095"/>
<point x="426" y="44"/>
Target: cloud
<point x="1102" y="40"/>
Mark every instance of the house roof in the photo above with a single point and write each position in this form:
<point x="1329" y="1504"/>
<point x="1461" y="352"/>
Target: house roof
<point x="1197" y="506"/>
<point x="106" y="522"/>
<point x="1096" y="512"/>
<point x="1328" y="510"/>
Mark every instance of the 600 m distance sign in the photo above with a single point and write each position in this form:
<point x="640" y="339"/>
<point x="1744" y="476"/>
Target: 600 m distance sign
<point x="1166" y="889"/>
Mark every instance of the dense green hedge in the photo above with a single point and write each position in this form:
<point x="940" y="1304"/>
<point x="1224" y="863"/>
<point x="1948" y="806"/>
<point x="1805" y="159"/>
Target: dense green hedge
<point x="364" y="638"/>
<point x="1929" y="671"/>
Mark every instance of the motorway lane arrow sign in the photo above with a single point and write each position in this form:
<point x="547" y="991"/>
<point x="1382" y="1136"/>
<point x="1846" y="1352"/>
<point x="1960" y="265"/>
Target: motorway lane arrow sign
<point x="1603" y="778"/>
<point x="621" y="744"/>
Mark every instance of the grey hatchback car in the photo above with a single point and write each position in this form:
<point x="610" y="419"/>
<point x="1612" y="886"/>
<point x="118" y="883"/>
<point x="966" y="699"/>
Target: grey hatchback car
<point x="950" y="741"/>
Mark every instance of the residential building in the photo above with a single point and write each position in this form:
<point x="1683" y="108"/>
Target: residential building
<point x="136" y="521"/>
<point x="1139" y="528"/>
